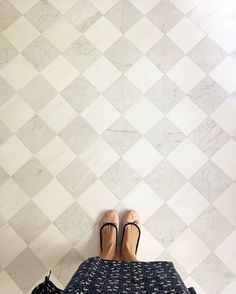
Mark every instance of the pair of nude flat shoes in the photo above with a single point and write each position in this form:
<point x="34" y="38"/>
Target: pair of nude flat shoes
<point x="111" y="217"/>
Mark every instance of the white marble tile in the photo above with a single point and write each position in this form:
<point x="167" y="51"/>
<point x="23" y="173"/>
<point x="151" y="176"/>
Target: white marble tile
<point x="144" y="6"/>
<point x="185" y="5"/>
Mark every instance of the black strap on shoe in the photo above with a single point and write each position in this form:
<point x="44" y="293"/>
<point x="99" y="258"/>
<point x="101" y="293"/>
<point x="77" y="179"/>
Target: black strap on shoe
<point x="135" y="224"/>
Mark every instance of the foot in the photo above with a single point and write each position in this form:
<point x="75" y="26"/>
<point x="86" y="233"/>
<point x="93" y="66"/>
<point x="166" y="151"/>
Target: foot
<point x="108" y="235"/>
<point x="130" y="237"/>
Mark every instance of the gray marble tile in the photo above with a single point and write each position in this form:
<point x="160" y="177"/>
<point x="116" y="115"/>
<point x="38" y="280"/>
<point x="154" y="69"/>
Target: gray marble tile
<point x="121" y="135"/>
<point x="40" y="53"/>
<point x="165" y="136"/>
<point x="212" y="275"/>
<point x="26" y="270"/>
<point x="81" y="54"/>
<point x="8" y="14"/>
<point x="83" y="89"/>
<point x="159" y="180"/>
<point x="6" y="91"/>
<point x="165" y="94"/>
<point x="122" y="94"/>
<point x="74" y="223"/>
<point x="76" y="178"/>
<point x="35" y="134"/>
<point x="208" y="95"/>
<point x="7" y="51"/>
<point x="165" y="54"/>
<point x="210" y="181"/>
<point x="120" y="178"/>
<point x="5" y="133"/>
<point x="42" y="15"/>
<point x="209" y="137"/>
<point x="29" y="222"/>
<point x="3" y="174"/>
<point x="32" y="177"/>
<point x="165" y="225"/>
<point x="165" y="15"/>
<point x="207" y="54"/>
<point x="123" y="59"/>
<point x="82" y="15"/>
<point x="212" y="227"/>
<point x="123" y="15"/>
<point x="78" y="135"/>
<point x="38" y="93"/>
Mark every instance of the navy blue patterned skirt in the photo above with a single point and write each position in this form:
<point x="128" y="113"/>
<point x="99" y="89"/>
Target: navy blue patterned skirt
<point x="99" y="276"/>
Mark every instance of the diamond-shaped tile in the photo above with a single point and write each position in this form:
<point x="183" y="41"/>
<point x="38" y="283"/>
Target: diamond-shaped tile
<point x="78" y="135"/>
<point x="5" y="133"/>
<point x="35" y="134"/>
<point x="165" y="54"/>
<point x="187" y="158"/>
<point x="179" y="74"/>
<point x="16" y="113"/>
<point x="120" y="58"/>
<point x="121" y="135"/>
<point x="143" y="115"/>
<point x="63" y="6"/>
<point x="165" y="225"/>
<point x="159" y="181"/>
<point x="208" y="95"/>
<point x="56" y="155"/>
<point x="226" y="251"/>
<point x="50" y="246"/>
<point x="188" y="250"/>
<point x="76" y="178"/>
<point x="6" y="91"/>
<point x="186" y="115"/>
<point x="122" y="94"/>
<point x="144" y="34"/>
<point x="226" y="160"/>
<point x="224" y="74"/>
<point x="8" y="14"/>
<point x="12" y="199"/>
<point x="123" y="15"/>
<point x="21" y="33"/>
<point x="81" y="54"/>
<point x="13" y="154"/>
<point x="82" y="88"/>
<point x="11" y="245"/>
<point x="54" y="111"/>
<point x="43" y="92"/>
<point x="98" y="32"/>
<point x="98" y="157"/>
<point x="188" y="203"/>
<point x="100" y="114"/>
<point x="68" y="34"/>
<point x="83" y="15"/>
<point x="142" y="157"/>
<point x="209" y="137"/>
<point x="32" y="177"/>
<point x="18" y="72"/>
<point x="165" y="136"/>
<point x="20" y="267"/>
<point x="42" y="15"/>
<point x="29" y="222"/>
<point x="8" y="284"/>
<point x="211" y="227"/>
<point x="108" y="73"/>
<point x="3" y="177"/>
<point x="165" y="88"/>
<point x="144" y="6"/>
<point x="185" y="34"/>
<point x="165" y="15"/>
<point x="53" y="193"/>
<point x="74" y="223"/>
<point x="40" y="53"/>
<point x="143" y="74"/>
<point x="120" y="178"/>
<point x="7" y="51"/>
<point x="60" y="73"/>
<point x="134" y="201"/>
<point x="185" y="5"/>
<point x="226" y="203"/>
<point x="210" y="181"/>
<point x="104" y="6"/>
<point x="101" y="197"/>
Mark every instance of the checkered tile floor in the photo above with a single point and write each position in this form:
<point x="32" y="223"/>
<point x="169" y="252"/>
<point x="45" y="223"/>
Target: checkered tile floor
<point x="117" y="104"/>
